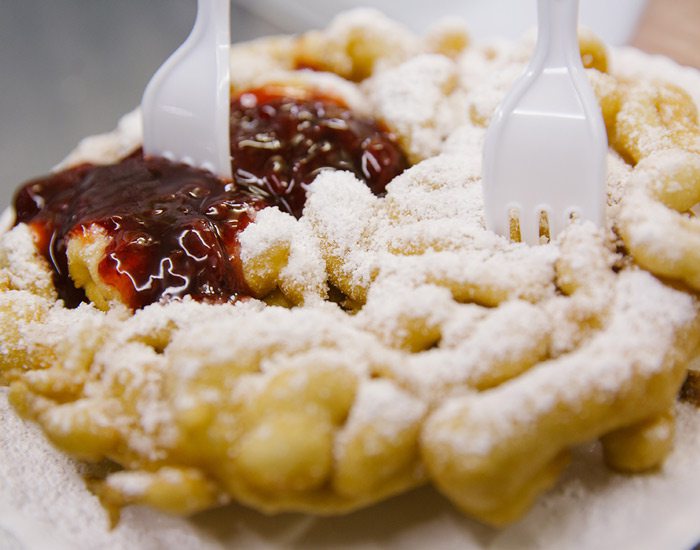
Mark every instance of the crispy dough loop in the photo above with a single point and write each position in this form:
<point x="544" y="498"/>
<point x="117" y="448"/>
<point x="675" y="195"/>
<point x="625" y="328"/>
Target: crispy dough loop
<point x="22" y="267"/>
<point x="276" y="256"/>
<point x="654" y="223"/>
<point x="655" y="116"/>
<point x="494" y="452"/>
<point x="19" y="308"/>
<point x="641" y="447"/>
<point x="355" y="45"/>
<point x="449" y="37"/>
<point x="609" y="91"/>
<point x="181" y="491"/>
<point x="594" y="53"/>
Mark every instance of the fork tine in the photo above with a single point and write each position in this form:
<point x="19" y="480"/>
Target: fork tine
<point x="558" y="220"/>
<point x="501" y="223"/>
<point x="530" y="225"/>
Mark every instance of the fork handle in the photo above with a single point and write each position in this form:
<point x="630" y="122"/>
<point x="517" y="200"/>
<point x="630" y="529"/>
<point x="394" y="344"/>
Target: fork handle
<point x="213" y="16"/>
<point x="557" y="36"/>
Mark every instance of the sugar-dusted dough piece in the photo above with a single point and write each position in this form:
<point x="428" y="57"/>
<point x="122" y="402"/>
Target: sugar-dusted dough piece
<point x="654" y="222"/>
<point x="656" y="116"/>
<point x="641" y="447"/>
<point x="449" y="37"/>
<point x="278" y="253"/>
<point x="493" y="453"/>
<point x="416" y="100"/>
<point x="22" y="267"/>
<point x="364" y="237"/>
<point x="18" y="309"/>
<point x="355" y="44"/>
<point x="85" y="252"/>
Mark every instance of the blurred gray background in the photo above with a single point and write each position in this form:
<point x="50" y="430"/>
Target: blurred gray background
<point x="70" y="68"/>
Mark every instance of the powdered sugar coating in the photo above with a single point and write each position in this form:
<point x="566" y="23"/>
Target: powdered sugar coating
<point x="24" y="268"/>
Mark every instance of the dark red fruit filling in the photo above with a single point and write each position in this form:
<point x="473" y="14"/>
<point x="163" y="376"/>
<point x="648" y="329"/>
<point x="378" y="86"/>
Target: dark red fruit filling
<point x="279" y="146"/>
<point x="174" y="229"/>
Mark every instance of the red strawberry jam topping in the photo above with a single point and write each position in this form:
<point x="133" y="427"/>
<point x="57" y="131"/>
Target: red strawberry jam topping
<point x="174" y="229"/>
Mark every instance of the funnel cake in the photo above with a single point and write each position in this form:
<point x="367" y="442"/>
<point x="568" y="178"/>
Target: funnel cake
<point x="376" y="336"/>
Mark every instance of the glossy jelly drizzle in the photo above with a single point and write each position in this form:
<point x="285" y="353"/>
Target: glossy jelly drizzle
<point x="174" y="229"/>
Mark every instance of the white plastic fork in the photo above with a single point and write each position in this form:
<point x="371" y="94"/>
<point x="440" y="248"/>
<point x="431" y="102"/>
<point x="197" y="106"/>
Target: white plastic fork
<point x="186" y="105"/>
<point x="546" y="148"/>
